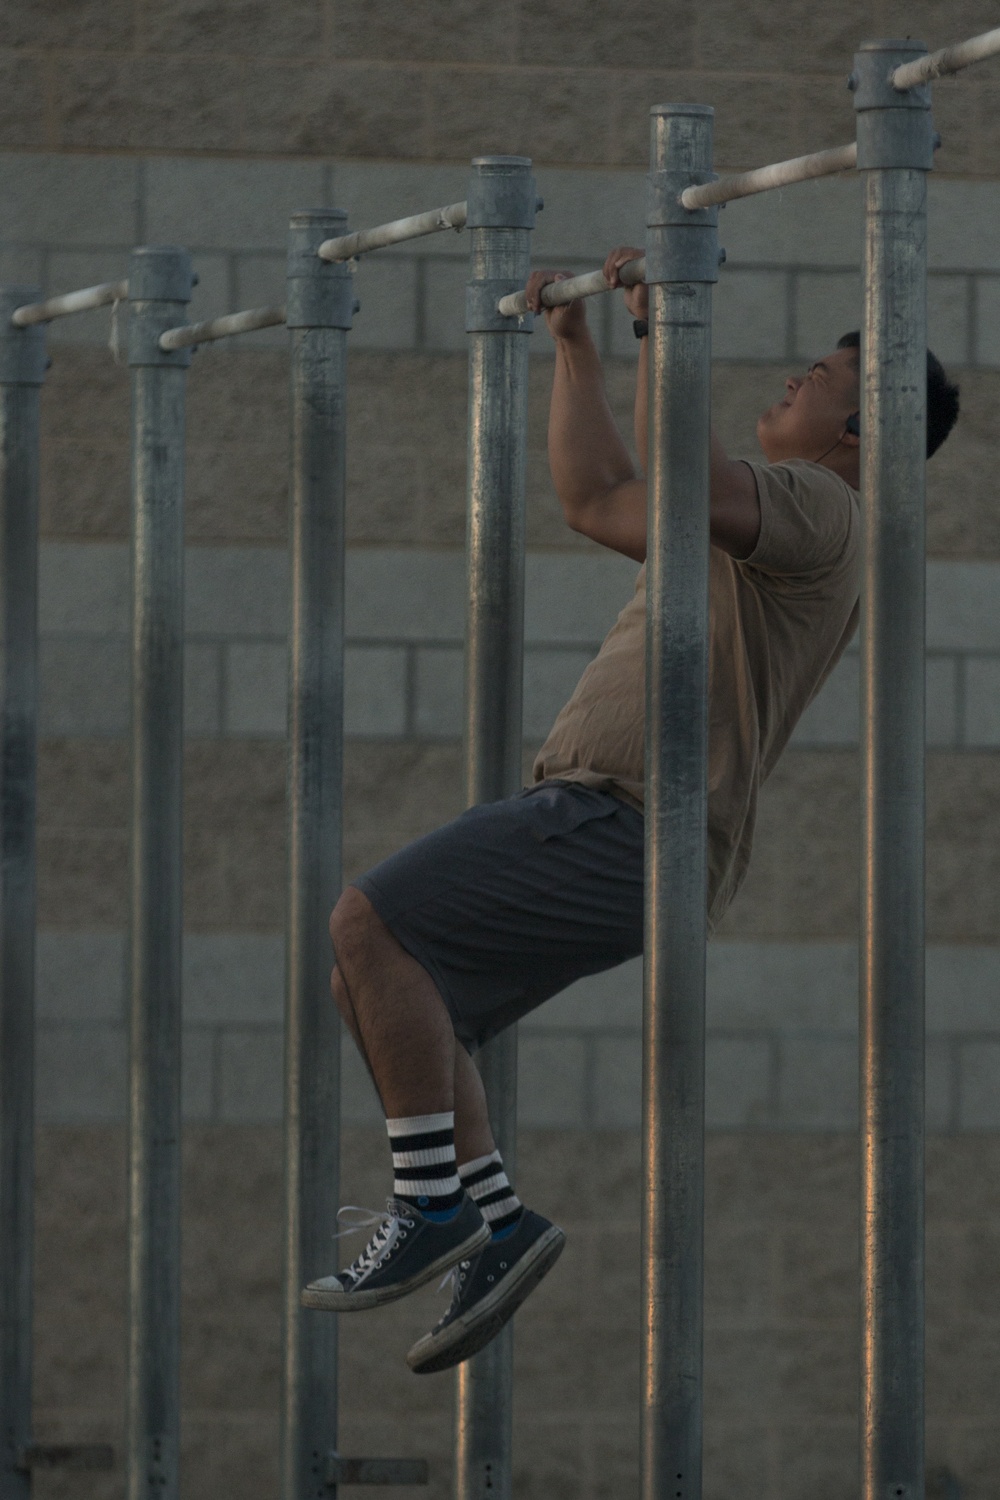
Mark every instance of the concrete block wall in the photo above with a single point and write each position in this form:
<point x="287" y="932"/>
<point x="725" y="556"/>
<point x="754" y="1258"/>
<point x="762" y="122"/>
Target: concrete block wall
<point x="405" y="622"/>
<point x="207" y="121"/>
<point x="438" y="82"/>
<point x="790" y="285"/>
<point x="782" y="1038"/>
<point x="781" y="1340"/>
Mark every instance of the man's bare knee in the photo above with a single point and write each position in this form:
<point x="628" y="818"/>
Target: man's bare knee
<point x="356" y="929"/>
<point x="341" y="998"/>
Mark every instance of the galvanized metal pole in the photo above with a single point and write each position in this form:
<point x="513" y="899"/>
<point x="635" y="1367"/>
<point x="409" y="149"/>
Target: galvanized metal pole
<point x="320" y="306"/>
<point x="682" y="261"/>
<point x="22" y="368"/>
<point x="160" y="283"/>
<point x="895" y="152"/>
<point x="501" y="214"/>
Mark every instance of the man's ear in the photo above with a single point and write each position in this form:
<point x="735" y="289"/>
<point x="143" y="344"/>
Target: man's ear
<point x="852" y="428"/>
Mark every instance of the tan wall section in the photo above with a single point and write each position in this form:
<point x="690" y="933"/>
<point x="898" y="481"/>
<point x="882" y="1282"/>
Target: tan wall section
<point x="444" y="79"/>
<point x="406" y="446"/>
<point x="803" y="881"/>
<point x="781" y="1314"/>
<point x="407" y="487"/>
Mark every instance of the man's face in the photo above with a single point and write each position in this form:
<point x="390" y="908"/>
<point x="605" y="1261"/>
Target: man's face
<point x="810" y="421"/>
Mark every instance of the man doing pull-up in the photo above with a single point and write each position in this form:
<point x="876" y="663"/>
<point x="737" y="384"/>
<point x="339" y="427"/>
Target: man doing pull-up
<point x="466" y="930"/>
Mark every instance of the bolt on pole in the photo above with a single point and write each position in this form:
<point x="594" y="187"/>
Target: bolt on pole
<point x="160" y="281"/>
<point x="501" y="214"/>
<point x="895" y="152"/>
<point x="319" y="313"/>
<point x="22" y="370"/>
<point x="682" y="262"/>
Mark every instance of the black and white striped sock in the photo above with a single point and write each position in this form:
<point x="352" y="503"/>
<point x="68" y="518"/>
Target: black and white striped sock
<point x="486" y="1182"/>
<point x="423" y="1162"/>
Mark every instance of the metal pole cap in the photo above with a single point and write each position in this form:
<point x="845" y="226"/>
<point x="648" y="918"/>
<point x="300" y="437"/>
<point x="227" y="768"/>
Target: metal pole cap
<point x="502" y="193"/>
<point x="320" y="292"/>
<point x="871" y="81"/>
<point x="160" y="273"/>
<point x="894" y="126"/>
<point x="160" y="282"/>
<point x="682" y="245"/>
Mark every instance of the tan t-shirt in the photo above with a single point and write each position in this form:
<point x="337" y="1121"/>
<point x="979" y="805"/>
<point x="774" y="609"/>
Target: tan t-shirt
<point x="779" y="622"/>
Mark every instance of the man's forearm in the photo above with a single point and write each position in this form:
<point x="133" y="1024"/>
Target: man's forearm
<point x="586" y="453"/>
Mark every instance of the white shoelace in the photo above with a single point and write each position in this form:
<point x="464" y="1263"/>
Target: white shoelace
<point x="452" y="1279"/>
<point x="381" y="1242"/>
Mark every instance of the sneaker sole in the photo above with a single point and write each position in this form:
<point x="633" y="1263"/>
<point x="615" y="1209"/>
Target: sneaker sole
<point x="330" y="1301"/>
<point x="472" y="1332"/>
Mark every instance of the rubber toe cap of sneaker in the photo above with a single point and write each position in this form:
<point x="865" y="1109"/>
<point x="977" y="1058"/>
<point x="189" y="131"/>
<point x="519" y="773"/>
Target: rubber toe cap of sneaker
<point x="326" y="1284"/>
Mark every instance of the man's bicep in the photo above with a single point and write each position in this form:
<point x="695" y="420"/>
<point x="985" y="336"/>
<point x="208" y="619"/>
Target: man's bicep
<point x="735" y="507"/>
<point x="618" y="519"/>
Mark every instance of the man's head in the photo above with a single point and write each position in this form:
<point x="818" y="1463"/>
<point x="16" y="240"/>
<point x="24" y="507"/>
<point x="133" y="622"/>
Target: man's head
<point x="812" y="419"/>
<point x="820" y="411"/>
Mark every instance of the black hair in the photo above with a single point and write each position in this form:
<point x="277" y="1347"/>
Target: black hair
<point x="942" y="395"/>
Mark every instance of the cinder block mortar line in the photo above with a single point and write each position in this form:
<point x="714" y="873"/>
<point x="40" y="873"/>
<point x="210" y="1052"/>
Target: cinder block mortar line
<point x="141" y="216"/>
<point x="246" y="1417"/>
<point x="328" y="30"/>
<point x="409" y="692"/>
<point x="974" y="300"/>
<point x="224" y="729"/>
<point x="242" y="155"/>
<point x="420" y="305"/>
<point x="586" y="1439"/>
<point x="96" y="247"/>
<point x="242" y="63"/>
<point x="791" y="314"/>
<point x="215" y="1075"/>
<point x="590" y="1080"/>
<point x="954" y="1086"/>
<point x="232" y="281"/>
<point x="44" y="259"/>
<point x="961" y="701"/>
<point x="49" y="70"/>
<point x="696" y="73"/>
<point x="773" y="1074"/>
<point x="821" y="268"/>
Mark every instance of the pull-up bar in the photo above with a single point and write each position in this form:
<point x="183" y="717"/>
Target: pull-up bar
<point x="71" y="302"/>
<point x="346" y="246"/>
<point x="558" y="293"/>
<point x="701" y="195"/>
<point x="221" y="328"/>
<point x="948" y="60"/>
<point x="778" y="174"/>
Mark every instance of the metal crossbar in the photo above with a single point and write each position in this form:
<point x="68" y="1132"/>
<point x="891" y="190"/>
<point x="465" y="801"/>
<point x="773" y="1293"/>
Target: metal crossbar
<point x="558" y="293"/>
<point x="948" y="60"/>
<point x="347" y="246"/>
<point x="702" y="195"/>
<point x="84" y="300"/>
<point x="221" y="328"/>
<point x="778" y="174"/>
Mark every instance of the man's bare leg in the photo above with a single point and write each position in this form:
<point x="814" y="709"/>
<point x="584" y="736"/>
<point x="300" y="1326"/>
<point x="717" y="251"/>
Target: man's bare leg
<point x="395" y="1013"/>
<point x="403" y="1030"/>
<point x="473" y="1135"/>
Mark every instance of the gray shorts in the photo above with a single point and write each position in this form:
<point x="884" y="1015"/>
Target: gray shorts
<point x="511" y="902"/>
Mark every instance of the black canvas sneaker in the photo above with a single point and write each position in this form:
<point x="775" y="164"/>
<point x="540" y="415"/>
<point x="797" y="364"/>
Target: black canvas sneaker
<point x="489" y="1288"/>
<point x="406" y="1250"/>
